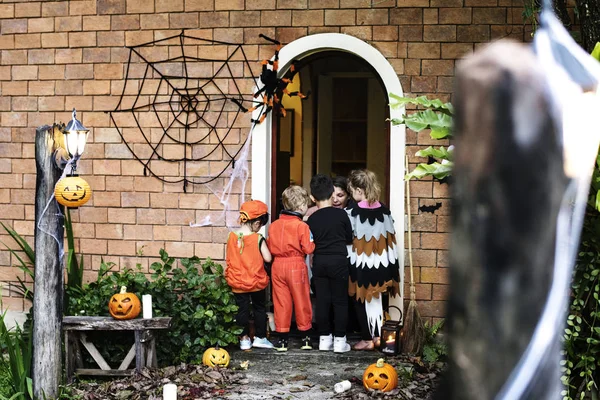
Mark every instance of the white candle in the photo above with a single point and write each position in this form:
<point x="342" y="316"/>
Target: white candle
<point x="147" y="305"/>
<point x="170" y="391"/>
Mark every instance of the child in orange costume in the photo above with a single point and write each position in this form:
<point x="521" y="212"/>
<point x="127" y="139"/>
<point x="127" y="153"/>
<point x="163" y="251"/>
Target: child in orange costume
<point x="246" y="275"/>
<point x="290" y="241"/>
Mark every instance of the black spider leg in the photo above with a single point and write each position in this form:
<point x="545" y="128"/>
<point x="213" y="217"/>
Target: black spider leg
<point x="187" y="117"/>
<point x="269" y="39"/>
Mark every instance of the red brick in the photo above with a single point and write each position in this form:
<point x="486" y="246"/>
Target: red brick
<point x="372" y="17"/>
<point x="24" y="104"/>
<point x="12" y="57"/>
<point x="473" y="33"/>
<point x="109" y="231"/>
<point x="110" y="39"/>
<point x="124" y="22"/>
<point x="430" y="16"/>
<point x="456" y="50"/>
<point x="68" y="24"/>
<point x="290" y="4"/>
<point x="137" y="200"/>
<point x="87" y="7"/>
<point x="111" y="7"/>
<point x="7" y="10"/>
<point x="176" y="249"/>
<point x="82" y="39"/>
<point x="7" y="42"/>
<point x="9" y="26"/>
<point x="82" y="71"/>
<point x="489" y="15"/>
<point x="40" y="25"/>
<point x="139" y="6"/>
<point x="340" y="17"/>
<point x="121" y="247"/>
<point x="361" y="32"/>
<point x="245" y="18"/>
<point x="412" y="3"/>
<point x="260" y="4"/>
<point x="209" y="5"/>
<point x="446" y="3"/>
<point x="424" y="50"/>
<point x="410" y="33"/>
<point x="406" y="16"/>
<point x="434" y="240"/>
<point x="439" y="33"/>
<point x="287" y="35"/>
<point x="139" y="232"/>
<point x="229" y="5"/>
<point x="14" y="88"/>
<point x="28" y="10"/>
<point x="385" y="33"/>
<point x="441" y="292"/>
<point x="24" y="72"/>
<point x="55" y="8"/>
<point x="273" y="18"/>
<point x="68" y="56"/>
<point x="171" y="233"/>
<point x="215" y="251"/>
<point x="437" y="67"/>
<point x="307" y="18"/>
<point x="41" y="88"/>
<point x="96" y="23"/>
<point x="455" y="16"/>
<point x="55" y="40"/>
<point x="423" y="84"/>
<point x="432" y="309"/>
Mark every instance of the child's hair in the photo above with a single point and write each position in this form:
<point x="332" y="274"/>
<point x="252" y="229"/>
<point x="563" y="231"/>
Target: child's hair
<point x="263" y="219"/>
<point x="341" y="182"/>
<point x="367" y="181"/>
<point x="294" y="197"/>
<point x="321" y="187"/>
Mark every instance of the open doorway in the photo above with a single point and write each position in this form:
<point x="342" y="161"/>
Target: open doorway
<point x="340" y="127"/>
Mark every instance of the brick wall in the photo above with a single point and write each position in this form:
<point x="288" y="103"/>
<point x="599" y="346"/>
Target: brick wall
<point x="55" y="55"/>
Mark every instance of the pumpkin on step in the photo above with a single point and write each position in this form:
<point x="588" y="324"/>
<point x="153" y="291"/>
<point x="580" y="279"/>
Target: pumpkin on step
<point x="215" y="357"/>
<point x="124" y="305"/>
<point x="380" y="376"/>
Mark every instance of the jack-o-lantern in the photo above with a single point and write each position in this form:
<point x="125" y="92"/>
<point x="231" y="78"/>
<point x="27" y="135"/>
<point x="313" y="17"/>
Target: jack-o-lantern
<point x="215" y="357"/>
<point x="72" y="191"/>
<point x="124" y="305"/>
<point x="380" y="376"/>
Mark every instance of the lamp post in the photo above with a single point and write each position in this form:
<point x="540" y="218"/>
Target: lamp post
<point x="49" y="233"/>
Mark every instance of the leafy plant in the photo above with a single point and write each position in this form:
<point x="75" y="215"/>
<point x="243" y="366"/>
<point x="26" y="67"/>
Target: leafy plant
<point x="435" y="347"/>
<point x="195" y="295"/>
<point x="437" y="117"/>
<point x="15" y="361"/>
<point x="581" y="337"/>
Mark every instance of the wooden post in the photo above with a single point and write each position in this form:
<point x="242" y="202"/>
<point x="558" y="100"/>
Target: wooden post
<point x="507" y="187"/>
<point x="48" y="286"/>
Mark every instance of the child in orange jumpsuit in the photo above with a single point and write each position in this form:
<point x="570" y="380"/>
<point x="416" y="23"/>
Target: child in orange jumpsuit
<point x="290" y="241"/>
<point x="246" y="275"/>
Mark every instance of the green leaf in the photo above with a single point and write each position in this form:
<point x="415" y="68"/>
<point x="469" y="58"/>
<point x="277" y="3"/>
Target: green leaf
<point x="436" y="170"/>
<point x="596" y="51"/>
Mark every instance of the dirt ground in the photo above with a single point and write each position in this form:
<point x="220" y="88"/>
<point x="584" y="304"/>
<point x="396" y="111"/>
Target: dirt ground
<point x="267" y="374"/>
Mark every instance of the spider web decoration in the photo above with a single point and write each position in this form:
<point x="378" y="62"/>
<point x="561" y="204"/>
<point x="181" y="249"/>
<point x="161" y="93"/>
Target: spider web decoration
<point x="176" y="113"/>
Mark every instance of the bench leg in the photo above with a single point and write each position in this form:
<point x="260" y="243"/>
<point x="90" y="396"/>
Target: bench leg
<point x="139" y="351"/>
<point x="69" y="367"/>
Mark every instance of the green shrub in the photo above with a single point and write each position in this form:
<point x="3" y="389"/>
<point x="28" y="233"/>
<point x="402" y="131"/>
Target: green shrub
<point x="195" y="295"/>
<point x="435" y="348"/>
<point x="15" y="362"/>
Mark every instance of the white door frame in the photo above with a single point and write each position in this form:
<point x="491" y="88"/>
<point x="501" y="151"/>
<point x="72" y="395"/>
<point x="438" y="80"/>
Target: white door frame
<point x="262" y="135"/>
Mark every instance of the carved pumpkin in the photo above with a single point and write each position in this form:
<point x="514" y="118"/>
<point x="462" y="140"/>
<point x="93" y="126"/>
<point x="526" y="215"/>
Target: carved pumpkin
<point x="72" y="191"/>
<point x="215" y="356"/>
<point x="380" y="376"/>
<point x="124" y="305"/>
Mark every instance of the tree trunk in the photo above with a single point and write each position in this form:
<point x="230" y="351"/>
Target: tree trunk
<point x="48" y="284"/>
<point x="508" y="185"/>
<point x="589" y="19"/>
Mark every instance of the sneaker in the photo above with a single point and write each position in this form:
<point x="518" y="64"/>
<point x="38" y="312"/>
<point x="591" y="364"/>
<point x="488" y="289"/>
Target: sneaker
<point x="245" y="344"/>
<point x="282" y="345"/>
<point x="326" y="343"/>
<point x="340" y="345"/>
<point x="262" y="343"/>
<point x="306" y="343"/>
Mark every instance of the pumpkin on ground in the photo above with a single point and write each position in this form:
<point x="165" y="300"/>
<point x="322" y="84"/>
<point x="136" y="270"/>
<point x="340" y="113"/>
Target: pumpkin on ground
<point x="72" y="191"/>
<point x="215" y="356"/>
<point x="124" y="305"/>
<point x="380" y="376"/>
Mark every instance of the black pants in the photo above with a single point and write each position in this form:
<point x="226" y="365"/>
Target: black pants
<point x="259" y="309"/>
<point x="330" y="275"/>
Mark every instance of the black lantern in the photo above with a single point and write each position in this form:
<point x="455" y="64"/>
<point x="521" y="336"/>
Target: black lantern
<point x="390" y="342"/>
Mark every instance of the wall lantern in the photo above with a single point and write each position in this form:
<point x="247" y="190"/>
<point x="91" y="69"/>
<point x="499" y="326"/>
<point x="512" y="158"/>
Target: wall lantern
<point x="75" y="135"/>
<point x="72" y="191"/>
<point x="391" y="335"/>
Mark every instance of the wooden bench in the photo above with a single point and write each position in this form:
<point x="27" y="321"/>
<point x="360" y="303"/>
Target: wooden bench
<point x="144" y="348"/>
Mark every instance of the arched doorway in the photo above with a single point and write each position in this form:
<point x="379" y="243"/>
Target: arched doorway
<point x="262" y="145"/>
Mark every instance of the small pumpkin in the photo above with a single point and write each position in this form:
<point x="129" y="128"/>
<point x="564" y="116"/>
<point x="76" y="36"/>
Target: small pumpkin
<point x="124" y="305"/>
<point x="380" y="376"/>
<point x="72" y="191"/>
<point x="215" y="356"/>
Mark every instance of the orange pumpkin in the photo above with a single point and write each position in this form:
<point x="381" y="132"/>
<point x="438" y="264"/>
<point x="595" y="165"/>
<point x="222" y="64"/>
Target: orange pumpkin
<point x="215" y="356"/>
<point x="124" y="305"/>
<point x="72" y="191"/>
<point x="380" y="376"/>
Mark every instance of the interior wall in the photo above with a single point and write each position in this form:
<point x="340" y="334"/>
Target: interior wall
<point x="295" y="103"/>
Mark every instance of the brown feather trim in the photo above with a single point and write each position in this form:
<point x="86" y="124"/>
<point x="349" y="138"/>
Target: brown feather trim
<point x="374" y="245"/>
<point x="367" y="293"/>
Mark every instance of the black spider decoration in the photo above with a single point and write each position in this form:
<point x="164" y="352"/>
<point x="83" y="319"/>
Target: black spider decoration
<point x="273" y="87"/>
